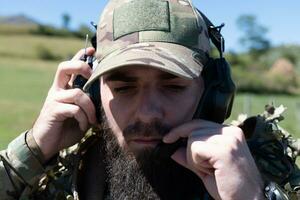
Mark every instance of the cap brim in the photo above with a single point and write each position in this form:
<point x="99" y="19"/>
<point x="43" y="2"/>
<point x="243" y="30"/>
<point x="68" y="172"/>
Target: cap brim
<point x="172" y="58"/>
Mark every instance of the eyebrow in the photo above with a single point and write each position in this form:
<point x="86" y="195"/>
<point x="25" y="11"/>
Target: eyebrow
<point x="124" y="77"/>
<point x="119" y="76"/>
<point x="167" y="76"/>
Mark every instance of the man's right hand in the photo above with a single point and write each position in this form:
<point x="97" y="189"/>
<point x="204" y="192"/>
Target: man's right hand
<point x="67" y="113"/>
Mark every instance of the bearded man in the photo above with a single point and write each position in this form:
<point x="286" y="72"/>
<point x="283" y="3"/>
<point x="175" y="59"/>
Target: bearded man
<point x="154" y="100"/>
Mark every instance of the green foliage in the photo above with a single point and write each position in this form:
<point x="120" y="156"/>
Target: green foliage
<point x="58" y="32"/>
<point x="254" y="38"/>
<point x="52" y="31"/>
<point x="262" y="82"/>
<point x="290" y="52"/>
<point x="83" y="30"/>
<point x="255" y="73"/>
<point x="45" y="53"/>
<point x="66" y="19"/>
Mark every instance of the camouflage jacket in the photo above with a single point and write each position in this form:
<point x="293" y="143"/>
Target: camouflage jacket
<point x="22" y="176"/>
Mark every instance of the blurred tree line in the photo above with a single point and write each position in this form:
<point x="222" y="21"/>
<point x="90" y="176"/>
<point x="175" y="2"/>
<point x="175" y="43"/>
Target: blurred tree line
<point x="65" y="30"/>
<point x="263" y="68"/>
<point x="260" y="68"/>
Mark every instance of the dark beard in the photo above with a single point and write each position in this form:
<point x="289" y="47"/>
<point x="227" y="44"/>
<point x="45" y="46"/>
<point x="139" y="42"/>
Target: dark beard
<point x="147" y="175"/>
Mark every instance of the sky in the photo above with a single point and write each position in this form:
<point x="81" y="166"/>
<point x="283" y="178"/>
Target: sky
<point x="280" y="17"/>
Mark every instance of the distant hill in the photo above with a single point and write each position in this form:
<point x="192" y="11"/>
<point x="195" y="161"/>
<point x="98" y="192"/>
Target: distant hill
<point x="17" y="20"/>
<point x="17" y="24"/>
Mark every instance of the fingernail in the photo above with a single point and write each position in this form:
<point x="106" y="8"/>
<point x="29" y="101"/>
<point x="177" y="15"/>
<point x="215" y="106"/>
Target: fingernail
<point x="166" y="139"/>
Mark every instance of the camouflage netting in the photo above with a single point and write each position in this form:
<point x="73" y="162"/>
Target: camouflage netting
<point x="274" y="149"/>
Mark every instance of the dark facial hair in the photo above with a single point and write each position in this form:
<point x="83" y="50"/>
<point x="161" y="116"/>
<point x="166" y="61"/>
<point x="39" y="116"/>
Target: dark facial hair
<point x="146" y="175"/>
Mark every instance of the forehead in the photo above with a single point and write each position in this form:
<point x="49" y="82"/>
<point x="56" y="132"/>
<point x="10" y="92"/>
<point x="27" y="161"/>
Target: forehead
<point x="138" y="72"/>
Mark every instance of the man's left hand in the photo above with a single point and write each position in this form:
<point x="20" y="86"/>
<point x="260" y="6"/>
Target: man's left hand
<point x="220" y="156"/>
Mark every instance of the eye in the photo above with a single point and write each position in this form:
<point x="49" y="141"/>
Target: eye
<point x="175" y="87"/>
<point x="124" y="89"/>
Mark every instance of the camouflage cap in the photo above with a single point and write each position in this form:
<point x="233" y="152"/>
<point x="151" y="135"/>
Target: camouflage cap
<point x="165" y="34"/>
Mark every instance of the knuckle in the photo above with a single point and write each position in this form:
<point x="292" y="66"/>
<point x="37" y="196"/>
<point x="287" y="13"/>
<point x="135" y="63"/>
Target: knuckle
<point x="193" y="146"/>
<point x="195" y="156"/>
<point x="194" y="149"/>
<point x="216" y="139"/>
<point x="81" y="51"/>
<point x="78" y="96"/>
<point x="234" y="132"/>
<point x="76" y="111"/>
<point x="78" y="93"/>
<point x="233" y="141"/>
<point x="233" y="146"/>
<point x="238" y="133"/>
<point x="62" y="65"/>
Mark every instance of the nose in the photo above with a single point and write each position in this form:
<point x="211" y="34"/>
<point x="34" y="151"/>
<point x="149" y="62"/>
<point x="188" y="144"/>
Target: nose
<point x="149" y="106"/>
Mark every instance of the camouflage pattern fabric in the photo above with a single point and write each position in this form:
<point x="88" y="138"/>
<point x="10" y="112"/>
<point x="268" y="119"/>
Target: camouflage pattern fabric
<point x="274" y="149"/>
<point x="180" y="14"/>
<point x="167" y="35"/>
<point x="20" y="166"/>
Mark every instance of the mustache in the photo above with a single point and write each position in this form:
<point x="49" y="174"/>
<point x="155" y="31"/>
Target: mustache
<point x="153" y="129"/>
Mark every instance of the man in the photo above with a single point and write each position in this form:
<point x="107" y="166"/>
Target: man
<point x="151" y="55"/>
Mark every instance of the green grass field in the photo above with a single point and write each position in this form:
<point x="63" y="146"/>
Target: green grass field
<point x="25" y="79"/>
<point x="24" y="82"/>
<point x="27" y="46"/>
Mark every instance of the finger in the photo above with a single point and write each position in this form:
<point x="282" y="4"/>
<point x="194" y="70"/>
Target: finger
<point x="89" y="51"/>
<point x="185" y="129"/>
<point x="78" y="97"/>
<point x="65" y="71"/>
<point x="204" y="134"/>
<point x="65" y="111"/>
<point x="71" y="81"/>
<point x="199" y="132"/>
<point x="201" y="154"/>
<point x="180" y="157"/>
<point x="203" y="171"/>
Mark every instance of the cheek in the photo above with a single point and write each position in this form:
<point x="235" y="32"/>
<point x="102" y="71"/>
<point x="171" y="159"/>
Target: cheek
<point x="187" y="107"/>
<point x="182" y="109"/>
<point x="114" y="113"/>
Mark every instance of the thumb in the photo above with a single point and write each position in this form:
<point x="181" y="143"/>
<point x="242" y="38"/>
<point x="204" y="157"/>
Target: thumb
<point x="180" y="157"/>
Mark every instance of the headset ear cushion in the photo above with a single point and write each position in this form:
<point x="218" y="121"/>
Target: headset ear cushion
<point x="94" y="41"/>
<point x="226" y="88"/>
<point x="218" y="96"/>
<point x="94" y="93"/>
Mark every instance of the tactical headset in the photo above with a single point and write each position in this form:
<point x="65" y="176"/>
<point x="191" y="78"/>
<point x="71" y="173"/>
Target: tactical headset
<point x="217" y="99"/>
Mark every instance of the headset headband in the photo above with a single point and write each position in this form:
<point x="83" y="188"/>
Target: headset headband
<point x="214" y="33"/>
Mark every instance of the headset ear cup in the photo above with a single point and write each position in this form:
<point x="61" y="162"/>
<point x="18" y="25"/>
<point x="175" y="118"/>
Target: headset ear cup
<point x="225" y="89"/>
<point x="217" y="100"/>
<point x="94" y="93"/>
